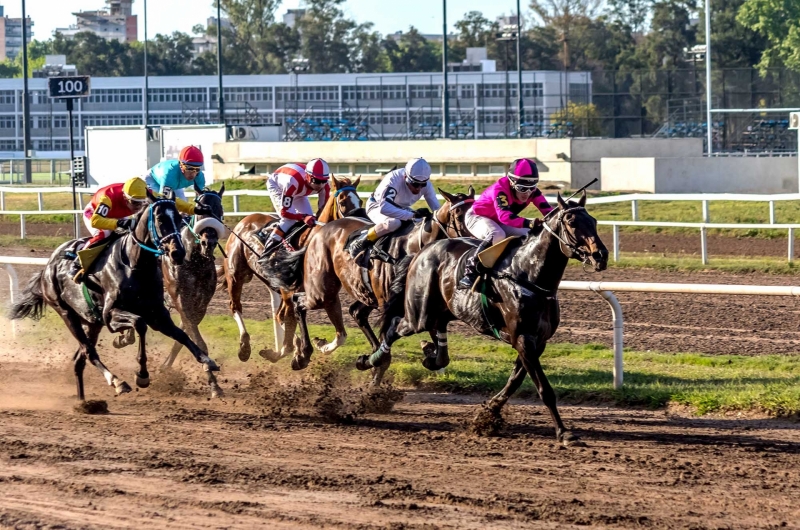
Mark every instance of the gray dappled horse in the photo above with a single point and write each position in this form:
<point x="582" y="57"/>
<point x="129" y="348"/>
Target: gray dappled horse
<point x="124" y="289"/>
<point x="516" y="302"/>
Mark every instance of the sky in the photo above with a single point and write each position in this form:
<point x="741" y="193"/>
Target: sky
<point x="166" y="16"/>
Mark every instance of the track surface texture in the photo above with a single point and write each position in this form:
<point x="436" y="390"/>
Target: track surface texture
<point x="180" y="461"/>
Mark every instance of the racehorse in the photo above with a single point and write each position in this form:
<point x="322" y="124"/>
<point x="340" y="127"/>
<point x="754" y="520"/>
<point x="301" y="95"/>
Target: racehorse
<point x="328" y="267"/>
<point x="242" y="263"/>
<point x="516" y="302"/>
<point x="192" y="284"/>
<point x="124" y="289"/>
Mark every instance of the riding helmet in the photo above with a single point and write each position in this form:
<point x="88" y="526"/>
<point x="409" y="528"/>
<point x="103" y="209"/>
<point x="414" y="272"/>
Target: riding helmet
<point x="318" y="169"/>
<point x="135" y="189"/>
<point x="418" y="171"/>
<point x="191" y="156"/>
<point x="523" y="171"/>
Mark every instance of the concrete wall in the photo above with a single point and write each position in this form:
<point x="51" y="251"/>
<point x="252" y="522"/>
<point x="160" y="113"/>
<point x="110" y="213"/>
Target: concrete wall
<point x="701" y="175"/>
<point x="587" y="152"/>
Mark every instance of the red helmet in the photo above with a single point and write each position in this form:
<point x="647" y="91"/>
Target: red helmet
<point x="318" y="169"/>
<point x="191" y="156"/>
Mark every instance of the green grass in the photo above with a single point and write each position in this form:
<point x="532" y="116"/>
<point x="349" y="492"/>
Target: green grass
<point x="580" y="373"/>
<point x="768" y="265"/>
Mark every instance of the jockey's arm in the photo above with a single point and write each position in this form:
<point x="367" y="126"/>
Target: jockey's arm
<point x="389" y="208"/>
<point x="99" y="218"/>
<point x="506" y="215"/>
<point x="287" y="198"/>
<point x="185" y="207"/>
<point x="322" y="200"/>
<point x="430" y="197"/>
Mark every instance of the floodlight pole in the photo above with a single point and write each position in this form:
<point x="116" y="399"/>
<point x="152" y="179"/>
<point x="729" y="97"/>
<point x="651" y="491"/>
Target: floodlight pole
<point x="445" y="94"/>
<point x="146" y="83"/>
<point x="520" y="107"/>
<point x="26" y="102"/>
<point x="708" y="78"/>
<point x="220" y="94"/>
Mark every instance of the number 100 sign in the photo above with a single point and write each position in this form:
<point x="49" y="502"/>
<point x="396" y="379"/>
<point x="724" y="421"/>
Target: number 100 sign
<point x="69" y="87"/>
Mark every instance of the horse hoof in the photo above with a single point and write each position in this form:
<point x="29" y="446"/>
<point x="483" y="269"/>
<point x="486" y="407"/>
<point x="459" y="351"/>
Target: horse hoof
<point x="244" y="351"/>
<point x="122" y="388"/>
<point x="362" y="363"/>
<point x="299" y="363"/>
<point x="430" y="364"/>
<point x="142" y="382"/>
<point x="319" y="343"/>
<point x="571" y="440"/>
<point x="428" y="348"/>
<point x="119" y="342"/>
<point x="216" y="391"/>
<point x="270" y="355"/>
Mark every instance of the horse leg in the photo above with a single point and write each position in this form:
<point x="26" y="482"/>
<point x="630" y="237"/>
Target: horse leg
<point x="441" y="358"/>
<point x="176" y="348"/>
<point x="235" y="290"/>
<point x="119" y="320"/>
<point x="514" y="382"/>
<point x="160" y="321"/>
<point x="382" y="358"/>
<point x="79" y="361"/>
<point x="360" y="313"/>
<point x="529" y="354"/>
<point x="333" y="308"/>
<point x="303" y="356"/>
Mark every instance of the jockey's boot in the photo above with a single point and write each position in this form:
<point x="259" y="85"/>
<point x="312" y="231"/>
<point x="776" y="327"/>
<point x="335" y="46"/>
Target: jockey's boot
<point x="361" y="244"/>
<point x="471" y="271"/>
<point x="76" y="271"/>
<point x="271" y="246"/>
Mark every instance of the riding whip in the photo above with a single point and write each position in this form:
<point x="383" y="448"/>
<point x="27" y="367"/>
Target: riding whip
<point x="571" y="196"/>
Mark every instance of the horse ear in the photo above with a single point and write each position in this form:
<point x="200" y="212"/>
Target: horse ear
<point x="151" y="197"/>
<point x="561" y="202"/>
<point x="197" y="188"/>
<point x="336" y="183"/>
<point x="449" y="198"/>
<point x="471" y="192"/>
<point x="221" y="190"/>
<point x="355" y="182"/>
<point x="582" y="202"/>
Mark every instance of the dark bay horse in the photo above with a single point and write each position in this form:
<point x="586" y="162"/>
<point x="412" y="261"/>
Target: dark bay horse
<point x="242" y="264"/>
<point x="124" y="290"/>
<point x="516" y="304"/>
<point x="192" y="284"/>
<point x="328" y="267"/>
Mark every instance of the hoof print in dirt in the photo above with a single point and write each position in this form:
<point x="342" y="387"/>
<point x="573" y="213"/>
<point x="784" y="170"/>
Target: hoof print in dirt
<point x="487" y="422"/>
<point x="93" y="406"/>
<point x="270" y="355"/>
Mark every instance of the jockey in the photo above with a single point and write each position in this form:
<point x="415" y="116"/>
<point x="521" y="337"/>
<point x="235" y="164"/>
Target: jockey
<point x="289" y="187"/>
<point x="178" y="174"/>
<point x="495" y="214"/>
<point x="391" y="202"/>
<point x="114" y="205"/>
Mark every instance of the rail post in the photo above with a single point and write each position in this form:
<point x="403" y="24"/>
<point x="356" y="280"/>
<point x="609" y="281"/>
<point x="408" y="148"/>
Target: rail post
<point x="2" y="200"/>
<point x="236" y="203"/>
<point x="635" y="210"/>
<point x="791" y="245"/>
<point x="616" y="243"/>
<point x="704" y="245"/>
<point x="52" y="171"/>
<point x="40" y="199"/>
<point x="22" y="226"/>
<point x="13" y="290"/>
<point x="616" y="314"/>
<point x="772" y="212"/>
<point x="706" y="217"/>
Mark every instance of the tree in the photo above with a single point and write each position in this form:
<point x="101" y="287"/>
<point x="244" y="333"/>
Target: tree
<point x="671" y="32"/>
<point x="732" y="43"/>
<point x="93" y="55"/>
<point x="564" y="16"/>
<point x="474" y="31"/>
<point x="170" y="55"/>
<point x="326" y="37"/>
<point x="413" y="53"/>
<point x="778" y="22"/>
<point x="367" y="53"/>
<point x="631" y="13"/>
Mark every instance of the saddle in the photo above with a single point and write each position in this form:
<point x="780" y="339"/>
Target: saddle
<point x="488" y="258"/>
<point x="265" y="234"/>
<point x="380" y="249"/>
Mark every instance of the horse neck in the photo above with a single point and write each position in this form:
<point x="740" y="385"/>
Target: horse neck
<point x="193" y="249"/>
<point x="436" y="233"/>
<point x="136" y="254"/>
<point x="330" y="212"/>
<point x="540" y="261"/>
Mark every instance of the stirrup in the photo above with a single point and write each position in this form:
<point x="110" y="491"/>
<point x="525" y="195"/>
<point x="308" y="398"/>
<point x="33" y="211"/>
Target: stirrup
<point x="78" y="277"/>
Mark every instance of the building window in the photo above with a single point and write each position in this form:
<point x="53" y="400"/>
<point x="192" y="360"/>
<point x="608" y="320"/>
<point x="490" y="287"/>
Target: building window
<point x="7" y="97"/>
<point x="100" y="120"/>
<point x="426" y="91"/>
<point x="124" y="95"/>
<point x="244" y="94"/>
<point x="177" y="95"/>
<point x="7" y="122"/>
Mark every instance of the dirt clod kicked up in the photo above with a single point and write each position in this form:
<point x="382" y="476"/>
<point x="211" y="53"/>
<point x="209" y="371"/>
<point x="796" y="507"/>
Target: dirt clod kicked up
<point x="91" y="406"/>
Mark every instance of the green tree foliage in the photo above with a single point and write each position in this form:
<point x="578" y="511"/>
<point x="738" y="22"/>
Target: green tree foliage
<point x="413" y="53"/>
<point x="670" y="34"/>
<point x="778" y="22"/>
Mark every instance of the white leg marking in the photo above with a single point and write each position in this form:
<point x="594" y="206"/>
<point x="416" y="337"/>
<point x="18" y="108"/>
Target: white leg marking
<point x="237" y="316"/>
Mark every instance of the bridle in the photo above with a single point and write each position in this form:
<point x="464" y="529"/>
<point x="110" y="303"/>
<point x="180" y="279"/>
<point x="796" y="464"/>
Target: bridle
<point x="336" y="209"/>
<point x="451" y="222"/>
<point x="575" y="252"/>
<point x="159" y="240"/>
<point x="192" y="221"/>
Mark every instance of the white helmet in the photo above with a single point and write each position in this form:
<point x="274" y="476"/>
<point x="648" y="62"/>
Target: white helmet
<point x="418" y="172"/>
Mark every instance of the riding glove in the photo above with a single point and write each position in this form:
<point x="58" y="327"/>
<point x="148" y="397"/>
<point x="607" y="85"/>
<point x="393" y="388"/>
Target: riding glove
<point x="310" y="220"/>
<point x="530" y="224"/>
<point x="202" y="209"/>
<point x="422" y="213"/>
<point x="126" y="223"/>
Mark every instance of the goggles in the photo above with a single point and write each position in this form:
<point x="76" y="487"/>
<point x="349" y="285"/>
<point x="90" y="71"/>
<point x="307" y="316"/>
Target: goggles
<point x="415" y="183"/>
<point x="315" y="180"/>
<point x="187" y="167"/>
<point x="523" y="183"/>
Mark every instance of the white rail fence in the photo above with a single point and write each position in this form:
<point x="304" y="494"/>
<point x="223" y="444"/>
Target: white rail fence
<point x="604" y="289"/>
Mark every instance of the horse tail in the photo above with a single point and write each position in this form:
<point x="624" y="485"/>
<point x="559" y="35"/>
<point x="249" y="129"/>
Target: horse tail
<point x="32" y="303"/>
<point x="285" y="270"/>
<point x="395" y="304"/>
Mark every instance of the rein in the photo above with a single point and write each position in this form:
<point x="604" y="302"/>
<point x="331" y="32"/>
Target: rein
<point x="450" y="222"/>
<point x="581" y="254"/>
<point x="152" y="229"/>
<point x="336" y="209"/>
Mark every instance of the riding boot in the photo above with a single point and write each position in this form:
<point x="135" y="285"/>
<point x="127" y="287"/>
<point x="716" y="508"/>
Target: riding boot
<point x="361" y="244"/>
<point x="471" y="271"/>
<point x="271" y="246"/>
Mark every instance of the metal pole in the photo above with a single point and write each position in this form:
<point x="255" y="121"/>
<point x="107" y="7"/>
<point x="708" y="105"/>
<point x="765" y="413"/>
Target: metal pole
<point x="72" y="163"/>
<point x="146" y="81"/>
<point x="507" y="99"/>
<point x="445" y="94"/>
<point x="708" y="76"/>
<point x="521" y="108"/>
<point x="220" y="95"/>
<point x="26" y="108"/>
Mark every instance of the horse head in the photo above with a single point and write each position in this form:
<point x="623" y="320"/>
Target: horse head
<point x="344" y="198"/>
<point x="453" y="210"/>
<point x="209" y="228"/>
<point x="158" y="228"/>
<point x="576" y="231"/>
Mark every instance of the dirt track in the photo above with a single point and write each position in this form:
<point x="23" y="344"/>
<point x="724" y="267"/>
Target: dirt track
<point x="183" y="462"/>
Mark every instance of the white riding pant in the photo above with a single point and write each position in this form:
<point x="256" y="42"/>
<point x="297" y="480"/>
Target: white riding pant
<point x="155" y="186"/>
<point x="483" y="228"/>
<point x="300" y="205"/>
<point x="383" y="223"/>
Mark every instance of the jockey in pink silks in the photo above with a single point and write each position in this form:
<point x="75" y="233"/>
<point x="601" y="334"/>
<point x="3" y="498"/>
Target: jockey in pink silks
<point x="495" y="214"/>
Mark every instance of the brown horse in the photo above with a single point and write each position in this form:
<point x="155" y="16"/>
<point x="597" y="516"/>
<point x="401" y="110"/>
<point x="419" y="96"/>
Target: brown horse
<point x="241" y="264"/>
<point x="328" y="267"/>
<point x="516" y="302"/>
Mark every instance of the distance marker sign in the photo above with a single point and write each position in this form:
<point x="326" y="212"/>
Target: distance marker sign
<point x="69" y="87"/>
